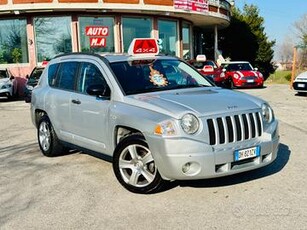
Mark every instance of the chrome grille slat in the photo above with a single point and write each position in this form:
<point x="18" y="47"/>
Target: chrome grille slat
<point x="233" y="127"/>
<point x="256" y="124"/>
<point x="229" y="129"/>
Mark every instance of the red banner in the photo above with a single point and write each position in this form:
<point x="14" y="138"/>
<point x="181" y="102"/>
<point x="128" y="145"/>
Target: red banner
<point x="97" y="31"/>
<point x="98" y="42"/>
<point x="192" y="5"/>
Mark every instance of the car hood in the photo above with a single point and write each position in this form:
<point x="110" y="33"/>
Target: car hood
<point x="201" y="101"/>
<point x="4" y="81"/>
<point x="246" y="73"/>
<point x="301" y="77"/>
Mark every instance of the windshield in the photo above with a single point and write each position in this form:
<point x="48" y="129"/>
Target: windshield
<point x="201" y="64"/>
<point x="3" y="74"/>
<point x="141" y="76"/>
<point x="238" y="66"/>
<point x="35" y="75"/>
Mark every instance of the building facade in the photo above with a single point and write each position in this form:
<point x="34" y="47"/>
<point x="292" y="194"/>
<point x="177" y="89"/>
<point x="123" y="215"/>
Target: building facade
<point x="32" y="31"/>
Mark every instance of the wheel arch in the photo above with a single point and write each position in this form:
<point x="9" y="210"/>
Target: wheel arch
<point x="38" y="115"/>
<point x="121" y="132"/>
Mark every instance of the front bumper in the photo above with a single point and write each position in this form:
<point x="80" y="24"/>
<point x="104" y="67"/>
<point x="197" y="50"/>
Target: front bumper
<point x="6" y="92"/>
<point x="300" y="86"/>
<point x="245" y="83"/>
<point x="209" y="161"/>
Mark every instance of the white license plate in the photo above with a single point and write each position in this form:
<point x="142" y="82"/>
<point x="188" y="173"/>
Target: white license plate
<point x="301" y="85"/>
<point x="250" y="81"/>
<point x="247" y="153"/>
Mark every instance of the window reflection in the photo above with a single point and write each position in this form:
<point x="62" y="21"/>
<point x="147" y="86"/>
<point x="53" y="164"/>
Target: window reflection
<point x="135" y="28"/>
<point x="13" y="41"/>
<point x="168" y="37"/>
<point x="186" y="40"/>
<point x="53" y="36"/>
<point x="93" y="22"/>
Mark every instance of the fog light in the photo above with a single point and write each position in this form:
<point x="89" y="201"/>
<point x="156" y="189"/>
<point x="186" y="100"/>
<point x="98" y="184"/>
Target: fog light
<point x="186" y="167"/>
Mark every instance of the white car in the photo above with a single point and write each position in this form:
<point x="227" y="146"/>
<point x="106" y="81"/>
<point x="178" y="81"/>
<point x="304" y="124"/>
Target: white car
<point x="8" y="86"/>
<point x="300" y="83"/>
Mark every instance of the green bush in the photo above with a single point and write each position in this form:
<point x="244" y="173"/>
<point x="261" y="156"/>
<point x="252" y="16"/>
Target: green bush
<point x="288" y="77"/>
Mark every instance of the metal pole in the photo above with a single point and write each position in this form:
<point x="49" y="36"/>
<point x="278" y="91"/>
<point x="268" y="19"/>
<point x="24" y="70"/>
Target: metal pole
<point x="215" y="42"/>
<point x="293" y="67"/>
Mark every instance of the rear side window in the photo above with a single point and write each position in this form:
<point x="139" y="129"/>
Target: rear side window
<point x="66" y="75"/>
<point x="52" y="69"/>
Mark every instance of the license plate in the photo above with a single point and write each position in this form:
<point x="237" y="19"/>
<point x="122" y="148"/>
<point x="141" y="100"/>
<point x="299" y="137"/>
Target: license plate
<point x="301" y="85"/>
<point x="247" y="153"/>
<point x="250" y="81"/>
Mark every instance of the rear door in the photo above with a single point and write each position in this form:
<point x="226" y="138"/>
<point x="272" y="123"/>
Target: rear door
<point x="59" y="99"/>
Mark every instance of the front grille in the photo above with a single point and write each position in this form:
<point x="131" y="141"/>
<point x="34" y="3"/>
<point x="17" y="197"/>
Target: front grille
<point x="228" y="129"/>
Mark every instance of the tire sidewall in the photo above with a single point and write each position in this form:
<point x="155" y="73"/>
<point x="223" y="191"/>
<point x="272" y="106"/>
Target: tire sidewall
<point x="47" y="153"/>
<point x="130" y="140"/>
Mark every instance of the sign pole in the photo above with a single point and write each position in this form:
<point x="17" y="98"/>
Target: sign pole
<point x="293" y="67"/>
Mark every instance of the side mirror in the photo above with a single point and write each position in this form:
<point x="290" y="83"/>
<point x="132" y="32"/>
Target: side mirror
<point x="12" y="77"/>
<point x="99" y="90"/>
<point x="27" y="76"/>
<point x="256" y="69"/>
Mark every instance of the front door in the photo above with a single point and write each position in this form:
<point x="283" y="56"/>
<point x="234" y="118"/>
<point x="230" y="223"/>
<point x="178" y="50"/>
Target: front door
<point x="89" y="114"/>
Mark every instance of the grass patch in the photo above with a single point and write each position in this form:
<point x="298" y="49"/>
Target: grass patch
<point x="280" y="77"/>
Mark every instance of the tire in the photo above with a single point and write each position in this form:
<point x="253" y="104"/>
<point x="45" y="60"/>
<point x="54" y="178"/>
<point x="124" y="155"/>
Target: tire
<point x="48" y="141"/>
<point x="232" y="85"/>
<point x="134" y="166"/>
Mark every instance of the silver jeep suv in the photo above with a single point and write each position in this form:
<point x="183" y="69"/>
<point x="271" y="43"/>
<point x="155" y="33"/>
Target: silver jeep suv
<point x="157" y="116"/>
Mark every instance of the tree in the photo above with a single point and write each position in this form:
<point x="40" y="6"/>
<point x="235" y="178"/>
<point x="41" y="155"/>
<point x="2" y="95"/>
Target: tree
<point x="285" y="50"/>
<point x="246" y="40"/>
<point x="300" y="27"/>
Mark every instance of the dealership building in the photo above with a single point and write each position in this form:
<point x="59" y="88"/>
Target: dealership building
<point x="32" y="31"/>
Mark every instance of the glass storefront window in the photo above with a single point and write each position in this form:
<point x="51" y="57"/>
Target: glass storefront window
<point x="135" y="28"/>
<point x="52" y="36"/>
<point x="168" y="37"/>
<point x="13" y="41"/>
<point x="186" y="41"/>
<point x="96" y="34"/>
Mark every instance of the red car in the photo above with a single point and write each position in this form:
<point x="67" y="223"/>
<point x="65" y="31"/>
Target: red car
<point x="241" y="74"/>
<point x="209" y="69"/>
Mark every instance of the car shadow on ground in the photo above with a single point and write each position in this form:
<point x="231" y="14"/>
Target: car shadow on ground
<point x="6" y="100"/>
<point x="275" y="167"/>
<point x="301" y="94"/>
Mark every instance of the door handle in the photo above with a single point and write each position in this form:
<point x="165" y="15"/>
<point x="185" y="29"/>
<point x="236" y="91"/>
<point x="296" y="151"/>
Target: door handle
<point x="76" y="101"/>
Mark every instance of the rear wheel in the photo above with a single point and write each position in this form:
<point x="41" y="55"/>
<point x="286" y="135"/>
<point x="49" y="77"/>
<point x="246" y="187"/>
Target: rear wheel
<point x="134" y="166"/>
<point x="47" y="138"/>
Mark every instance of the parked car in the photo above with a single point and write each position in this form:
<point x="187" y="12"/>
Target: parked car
<point x="300" y="83"/>
<point x="32" y="81"/>
<point x="8" y="85"/>
<point x="156" y="116"/>
<point x="209" y="69"/>
<point x="241" y="74"/>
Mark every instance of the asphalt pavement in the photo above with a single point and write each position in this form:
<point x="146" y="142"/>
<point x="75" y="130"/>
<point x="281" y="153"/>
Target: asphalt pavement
<point x="80" y="191"/>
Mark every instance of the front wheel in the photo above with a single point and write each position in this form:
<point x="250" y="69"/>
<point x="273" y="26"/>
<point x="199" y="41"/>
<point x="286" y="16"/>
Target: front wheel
<point x="47" y="138"/>
<point x="134" y="166"/>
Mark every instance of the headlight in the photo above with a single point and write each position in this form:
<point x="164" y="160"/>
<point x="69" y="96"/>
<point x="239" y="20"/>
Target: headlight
<point x="260" y="75"/>
<point x="166" y="128"/>
<point x="236" y="76"/>
<point x="189" y="123"/>
<point x="29" y="87"/>
<point x="6" y="86"/>
<point x="267" y="113"/>
<point x="222" y="75"/>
